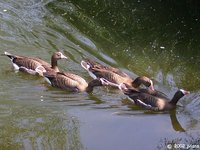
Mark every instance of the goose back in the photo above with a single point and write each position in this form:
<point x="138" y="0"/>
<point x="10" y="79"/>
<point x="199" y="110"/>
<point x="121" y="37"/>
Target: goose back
<point x="113" y="75"/>
<point x="44" y="63"/>
<point x="25" y="64"/>
<point x="66" y="81"/>
<point x="93" y="66"/>
<point x="33" y="65"/>
<point x="150" y="101"/>
<point x="54" y="58"/>
<point x="71" y="82"/>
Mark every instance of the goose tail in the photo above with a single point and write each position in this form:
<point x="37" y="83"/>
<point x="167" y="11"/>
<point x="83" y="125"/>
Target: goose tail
<point x="11" y="56"/>
<point x="85" y="65"/>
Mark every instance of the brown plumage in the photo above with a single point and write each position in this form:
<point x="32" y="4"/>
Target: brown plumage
<point x="54" y="58"/>
<point x="152" y="102"/>
<point x="143" y="90"/>
<point x="71" y="82"/>
<point x="34" y="65"/>
<point x="114" y="75"/>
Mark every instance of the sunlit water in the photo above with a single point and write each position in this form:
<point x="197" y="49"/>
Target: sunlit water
<point x="34" y="115"/>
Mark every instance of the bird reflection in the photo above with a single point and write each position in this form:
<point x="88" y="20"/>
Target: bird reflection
<point x="175" y="123"/>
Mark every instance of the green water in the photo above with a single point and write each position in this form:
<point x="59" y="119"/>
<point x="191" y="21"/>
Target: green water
<point x="158" y="39"/>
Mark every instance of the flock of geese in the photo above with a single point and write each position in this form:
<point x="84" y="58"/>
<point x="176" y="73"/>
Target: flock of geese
<point x="148" y="98"/>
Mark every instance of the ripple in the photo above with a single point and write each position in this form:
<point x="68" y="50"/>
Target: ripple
<point x="86" y="41"/>
<point x="194" y="105"/>
<point x="5" y="111"/>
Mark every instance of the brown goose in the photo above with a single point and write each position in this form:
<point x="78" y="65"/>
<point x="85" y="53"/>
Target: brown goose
<point x="71" y="82"/>
<point x="114" y="75"/>
<point x="54" y="58"/>
<point x="34" y="65"/>
<point x="142" y="90"/>
<point x="152" y="102"/>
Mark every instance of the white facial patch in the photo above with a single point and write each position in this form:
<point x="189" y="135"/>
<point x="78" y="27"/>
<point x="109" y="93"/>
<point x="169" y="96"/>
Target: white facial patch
<point x="6" y="53"/>
<point x="184" y="92"/>
<point x="62" y="56"/>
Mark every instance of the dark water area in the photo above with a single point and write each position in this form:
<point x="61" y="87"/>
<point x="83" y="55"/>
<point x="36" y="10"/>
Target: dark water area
<point x="159" y="39"/>
<point x="163" y="34"/>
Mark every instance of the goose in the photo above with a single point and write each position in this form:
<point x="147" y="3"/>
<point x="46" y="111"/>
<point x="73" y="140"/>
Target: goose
<point x="71" y="82"/>
<point x="54" y="58"/>
<point x="33" y="65"/>
<point x="114" y="75"/>
<point x="128" y="87"/>
<point x="152" y="102"/>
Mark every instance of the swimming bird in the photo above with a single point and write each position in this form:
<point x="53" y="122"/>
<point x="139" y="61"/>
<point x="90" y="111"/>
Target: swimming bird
<point x="114" y="75"/>
<point x="33" y="65"/>
<point x="151" y="102"/>
<point x="71" y="82"/>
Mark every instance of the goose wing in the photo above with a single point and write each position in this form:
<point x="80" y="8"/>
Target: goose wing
<point x="110" y="69"/>
<point x="143" y="99"/>
<point x="111" y="76"/>
<point x="64" y="82"/>
<point x="161" y="95"/>
<point x="74" y="77"/>
<point x="154" y="93"/>
<point x="26" y="63"/>
<point x="44" y="63"/>
<point x="144" y="105"/>
<point x="94" y="67"/>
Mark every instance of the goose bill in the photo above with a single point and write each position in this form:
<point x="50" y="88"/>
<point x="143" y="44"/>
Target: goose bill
<point x="63" y="56"/>
<point x="184" y="92"/>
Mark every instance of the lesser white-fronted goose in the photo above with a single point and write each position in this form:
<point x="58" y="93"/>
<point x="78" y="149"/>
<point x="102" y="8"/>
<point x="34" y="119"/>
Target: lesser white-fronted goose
<point x="142" y="90"/>
<point x="71" y="82"/>
<point x="114" y="75"/>
<point x="152" y="102"/>
<point x="33" y="65"/>
<point x="54" y="58"/>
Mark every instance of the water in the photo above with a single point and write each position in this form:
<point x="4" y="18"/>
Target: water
<point x="141" y="38"/>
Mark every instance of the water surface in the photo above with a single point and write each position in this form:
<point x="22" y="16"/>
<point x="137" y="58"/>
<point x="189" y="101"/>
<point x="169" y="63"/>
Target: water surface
<point x="141" y="38"/>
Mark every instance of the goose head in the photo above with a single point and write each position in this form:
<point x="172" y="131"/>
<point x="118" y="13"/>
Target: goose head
<point x="143" y="80"/>
<point x="55" y="57"/>
<point x="178" y="95"/>
<point x="58" y="55"/>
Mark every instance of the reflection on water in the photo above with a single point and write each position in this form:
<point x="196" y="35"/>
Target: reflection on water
<point x="37" y="127"/>
<point x="141" y="38"/>
<point x="175" y="123"/>
<point x="163" y="40"/>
